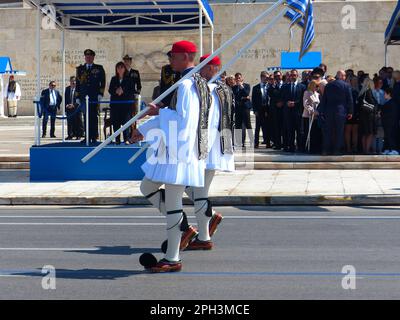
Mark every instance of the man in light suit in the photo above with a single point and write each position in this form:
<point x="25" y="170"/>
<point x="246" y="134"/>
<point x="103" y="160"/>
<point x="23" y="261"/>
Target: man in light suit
<point x="259" y="99"/>
<point x="50" y="101"/>
<point x="336" y="105"/>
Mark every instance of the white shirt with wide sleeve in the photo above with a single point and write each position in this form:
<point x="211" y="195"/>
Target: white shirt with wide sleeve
<point x="13" y="96"/>
<point x="216" y="159"/>
<point x="173" y="155"/>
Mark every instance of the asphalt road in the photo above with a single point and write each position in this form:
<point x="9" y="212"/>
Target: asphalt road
<point x="260" y="253"/>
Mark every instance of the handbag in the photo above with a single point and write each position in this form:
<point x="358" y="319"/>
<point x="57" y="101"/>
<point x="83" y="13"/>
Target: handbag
<point x="366" y="106"/>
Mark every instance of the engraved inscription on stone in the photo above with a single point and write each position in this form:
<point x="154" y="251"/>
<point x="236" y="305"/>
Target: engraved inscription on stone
<point x="75" y="57"/>
<point x="261" y="53"/>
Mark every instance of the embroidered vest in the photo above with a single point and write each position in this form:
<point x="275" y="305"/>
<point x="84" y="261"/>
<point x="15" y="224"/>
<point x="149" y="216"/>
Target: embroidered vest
<point x="205" y="103"/>
<point x="225" y="98"/>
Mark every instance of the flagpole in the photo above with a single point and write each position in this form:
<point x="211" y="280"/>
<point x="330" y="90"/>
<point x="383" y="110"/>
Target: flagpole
<point x="249" y="44"/>
<point x="227" y="65"/>
<point x="188" y="75"/>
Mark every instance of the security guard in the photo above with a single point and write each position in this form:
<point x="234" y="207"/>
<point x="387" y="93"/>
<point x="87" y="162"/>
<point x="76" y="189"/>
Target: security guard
<point x="90" y="81"/>
<point x="168" y="78"/>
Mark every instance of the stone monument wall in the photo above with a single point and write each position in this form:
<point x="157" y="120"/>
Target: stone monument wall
<point x="349" y="34"/>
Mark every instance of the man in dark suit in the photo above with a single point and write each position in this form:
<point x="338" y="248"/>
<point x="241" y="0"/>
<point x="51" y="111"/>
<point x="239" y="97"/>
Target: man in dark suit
<point x="276" y="110"/>
<point x="292" y="96"/>
<point x="90" y="81"/>
<point x="74" y="117"/>
<point x="336" y="105"/>
<point x="242" y="107"/>
<point x="50" y="101"/>
<point x="259" y="99"/>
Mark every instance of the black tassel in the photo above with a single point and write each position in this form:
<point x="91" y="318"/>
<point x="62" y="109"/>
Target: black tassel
<point x="185" y="223"/>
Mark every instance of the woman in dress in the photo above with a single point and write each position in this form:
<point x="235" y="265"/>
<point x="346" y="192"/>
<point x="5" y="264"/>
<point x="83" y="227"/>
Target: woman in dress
<point x="367" y="106"/>
<point x="310" y="103"/>
<point x="121" y="89"/>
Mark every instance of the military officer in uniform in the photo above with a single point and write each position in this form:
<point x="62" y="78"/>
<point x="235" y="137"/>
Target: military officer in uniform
<point x="137" y="85"/>
<point x="168" y="78"/>
<point x="132" y="73"/>
<point x="90" y="81"/>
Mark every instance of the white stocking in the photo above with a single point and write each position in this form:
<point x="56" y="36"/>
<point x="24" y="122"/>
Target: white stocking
<point x="200" y="206"/>
<point x="149" y="190"/>
<point x="173" y="204"/>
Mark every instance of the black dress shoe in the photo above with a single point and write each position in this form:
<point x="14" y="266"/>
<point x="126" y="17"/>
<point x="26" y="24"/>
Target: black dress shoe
<point x="43" y="136"/>
<point x="68" y="138"/>
<point x="53" y="136"/>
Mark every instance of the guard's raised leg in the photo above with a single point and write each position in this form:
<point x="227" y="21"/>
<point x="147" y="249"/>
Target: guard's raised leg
<point x="176" y="221"/>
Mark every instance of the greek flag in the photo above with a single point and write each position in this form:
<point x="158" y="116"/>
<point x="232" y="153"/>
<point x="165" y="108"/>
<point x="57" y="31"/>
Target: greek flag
<point x="294" y="17"/>
<point x="301" y="12"/>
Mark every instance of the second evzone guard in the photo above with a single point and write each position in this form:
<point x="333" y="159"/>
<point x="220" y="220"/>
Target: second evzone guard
<point x="220" y="155"/>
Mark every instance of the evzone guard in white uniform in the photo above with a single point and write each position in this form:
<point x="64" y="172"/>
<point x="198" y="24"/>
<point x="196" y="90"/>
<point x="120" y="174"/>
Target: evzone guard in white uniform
<point x="220" y="155"/>
<point x="176" y="157"/>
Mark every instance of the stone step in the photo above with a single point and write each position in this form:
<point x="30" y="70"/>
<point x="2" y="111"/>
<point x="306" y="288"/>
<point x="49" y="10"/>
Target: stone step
<point x="315" y="158"/>
<point x="315" y="165"/>
<point x="14" y="158"/>
<point x="14" y="165"/>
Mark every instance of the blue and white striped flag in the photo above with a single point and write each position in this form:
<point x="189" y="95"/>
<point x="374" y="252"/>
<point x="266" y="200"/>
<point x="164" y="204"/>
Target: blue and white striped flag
<point x="294" y="17"/>
<point x="298" y="5"/>
<point x="301" y="12"/>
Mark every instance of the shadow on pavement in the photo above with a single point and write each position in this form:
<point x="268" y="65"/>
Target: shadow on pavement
<point x="275" y="208"/>
<point x="87" y="274"/>
<point x="119" y="250"/>
<point x="383" y="208"/>
<point x="109" y="207"/>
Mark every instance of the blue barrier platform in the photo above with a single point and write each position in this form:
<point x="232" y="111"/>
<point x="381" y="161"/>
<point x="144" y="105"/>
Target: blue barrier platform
<point x="62" y="162"/>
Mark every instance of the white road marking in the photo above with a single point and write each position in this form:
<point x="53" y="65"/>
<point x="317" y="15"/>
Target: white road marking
<point x="85" y="217"/>
<point x="313" y="217"/>
<point x="193" y="217"/>
<point x="79" y="224"/>
<point x="49" y="249"/>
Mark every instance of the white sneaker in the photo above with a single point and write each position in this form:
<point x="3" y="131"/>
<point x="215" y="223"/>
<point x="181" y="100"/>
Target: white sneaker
<point x="393" y="153"/>
<point x="386" y="152"/>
